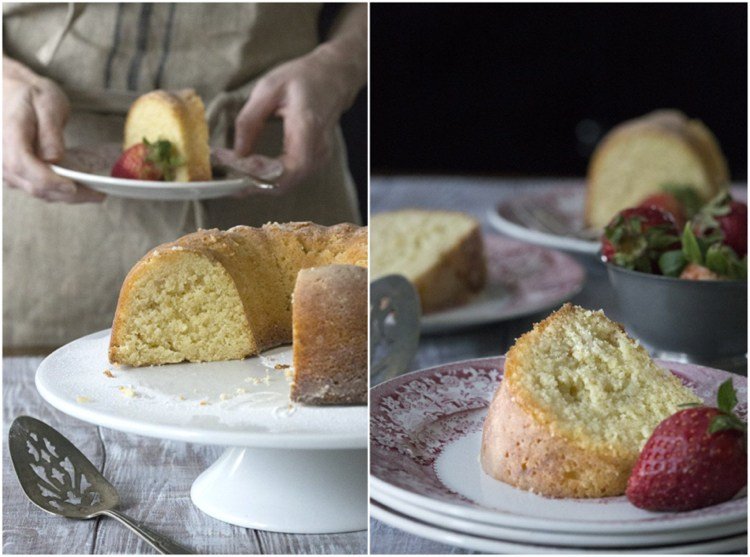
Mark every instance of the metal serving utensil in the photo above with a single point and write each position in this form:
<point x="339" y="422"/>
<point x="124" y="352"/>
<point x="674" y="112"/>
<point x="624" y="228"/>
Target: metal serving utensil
<point x="59" y="479"/>
<point x="260" y="171"/>
<point x="394" y="326"/>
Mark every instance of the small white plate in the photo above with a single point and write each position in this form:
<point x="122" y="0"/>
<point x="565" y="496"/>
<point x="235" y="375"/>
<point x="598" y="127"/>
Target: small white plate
<point x="521" y="280"/>
<point x="425" y="429"/>
<point x="91" y="166"/>
<point x="490" y="545"/>
<point x="234" y="403"/>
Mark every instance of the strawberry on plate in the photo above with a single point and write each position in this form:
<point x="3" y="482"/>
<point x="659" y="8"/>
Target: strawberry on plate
<point x="636" y="238"/>
<point x="148" y="161"/>
<point x="694" y="459"/>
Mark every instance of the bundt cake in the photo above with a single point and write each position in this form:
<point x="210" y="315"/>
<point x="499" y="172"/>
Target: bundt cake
<point x="329" y="322"/>
<point x="639" y="157"/>
<point x="215" y="295"/>
<point x="578" y="400"/>
<point x="178" y="117"/>
<point x="440" y="252"/>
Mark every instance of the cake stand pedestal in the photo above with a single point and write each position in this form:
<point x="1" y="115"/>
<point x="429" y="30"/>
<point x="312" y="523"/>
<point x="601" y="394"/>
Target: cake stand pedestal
<point x="301" y="491"/>
<point x="286" y="468"/>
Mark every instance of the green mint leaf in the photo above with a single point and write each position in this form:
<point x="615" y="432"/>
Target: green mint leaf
<point x="671" y="263"/>
<point x="726" y="396"/>
<point x="690" y="247"/>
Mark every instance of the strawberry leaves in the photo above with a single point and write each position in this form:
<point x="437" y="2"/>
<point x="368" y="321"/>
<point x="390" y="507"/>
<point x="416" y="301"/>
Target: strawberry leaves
<point x="163" y="155"/>
<point x="706" y="252"/>
<point x="726" y="399"/>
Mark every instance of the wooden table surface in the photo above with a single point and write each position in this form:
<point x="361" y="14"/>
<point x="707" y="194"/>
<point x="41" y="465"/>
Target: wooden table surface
<point x="153" y="478"/>
<point x="475" y="196"/>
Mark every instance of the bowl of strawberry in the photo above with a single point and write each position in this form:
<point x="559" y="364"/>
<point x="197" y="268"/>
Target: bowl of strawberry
<point x="680" y="277"/>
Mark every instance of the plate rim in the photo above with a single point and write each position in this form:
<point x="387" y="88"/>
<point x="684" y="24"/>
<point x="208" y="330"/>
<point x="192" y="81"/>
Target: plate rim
<point x="410" y="509"/>
<point x="461" y="539"/>
<point x="504" y="518"/>
<point x="219" y="437"/>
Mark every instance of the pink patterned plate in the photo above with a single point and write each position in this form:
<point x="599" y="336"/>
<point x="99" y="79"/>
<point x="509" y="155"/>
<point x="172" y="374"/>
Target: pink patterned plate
<point x="522" y="279"/>
<point x="425" y="432"/>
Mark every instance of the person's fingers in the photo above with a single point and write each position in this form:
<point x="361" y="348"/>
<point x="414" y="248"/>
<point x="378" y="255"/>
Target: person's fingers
<point x="262" y="104"/>
<point x="305" y="146"/>
<point x="51" y="110"/>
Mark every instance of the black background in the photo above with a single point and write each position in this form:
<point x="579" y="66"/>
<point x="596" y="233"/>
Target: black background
<point x="528" y="89"/>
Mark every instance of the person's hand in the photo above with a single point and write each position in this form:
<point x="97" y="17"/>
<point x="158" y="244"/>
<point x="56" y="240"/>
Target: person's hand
<point x="34" y="113"/>
<point x="310" y="94"/>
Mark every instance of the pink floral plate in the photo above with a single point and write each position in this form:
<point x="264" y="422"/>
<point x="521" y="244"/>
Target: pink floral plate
<point x="522" y="279"/>
<point x="425" y="434"/>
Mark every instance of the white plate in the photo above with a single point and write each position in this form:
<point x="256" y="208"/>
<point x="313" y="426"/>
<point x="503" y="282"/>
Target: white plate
<point x="424" y="442"/>
<point x="553" y="218"/>
<point x="256" y="410"/>
<point x="522" y="280"/>
<point x="91" y="166"/>
<point x="488" y="545"/>
<point x="602" y="540"/>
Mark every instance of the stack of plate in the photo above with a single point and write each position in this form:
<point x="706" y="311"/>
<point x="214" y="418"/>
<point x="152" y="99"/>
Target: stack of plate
<point x="426" y="478"/>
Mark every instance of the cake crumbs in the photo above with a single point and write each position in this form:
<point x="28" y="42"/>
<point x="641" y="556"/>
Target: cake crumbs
<point x="80" y="399"/>
<point x="127" y="391"/>
<point x="281" y="366"/>
<point x="108" y="373"/>
<point x="240" y="391"/>
<point x="289" y="374"/>
<point x="224" y="396"/>
<point x="203" y="403"/>
<point x="181" y="397"/>
<point x="265" y="380"/>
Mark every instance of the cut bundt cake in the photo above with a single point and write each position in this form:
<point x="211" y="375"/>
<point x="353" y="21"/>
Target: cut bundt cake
<point x="215" y="295"/>
<point x="578" y="400"/>
<point x="440" y="252"/>
<point x="639" y="157"/>
<point x="329" y="324"/>
<point x="178" y="117"/>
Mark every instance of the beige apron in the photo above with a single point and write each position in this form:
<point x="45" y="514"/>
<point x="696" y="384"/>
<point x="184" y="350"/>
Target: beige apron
<point x="64" y="264"/>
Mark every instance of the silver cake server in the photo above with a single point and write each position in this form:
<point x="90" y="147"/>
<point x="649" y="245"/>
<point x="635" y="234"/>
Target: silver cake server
<point x="59" y="479"/>
<point x="394" y="326"/>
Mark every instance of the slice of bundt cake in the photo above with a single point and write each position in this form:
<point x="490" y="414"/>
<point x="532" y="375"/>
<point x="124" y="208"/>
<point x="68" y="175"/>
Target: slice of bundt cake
<point x="440" y="252"/>
<point x="178" y="117"/>
<point x="330" y="335"/>
<point x="578" y="400"/>
<point x="639" y="157"/>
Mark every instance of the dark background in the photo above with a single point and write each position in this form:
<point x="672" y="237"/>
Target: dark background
<point x="528" y="89"/>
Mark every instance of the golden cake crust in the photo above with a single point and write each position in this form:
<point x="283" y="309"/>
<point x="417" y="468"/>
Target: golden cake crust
<point x="330" y="335"/>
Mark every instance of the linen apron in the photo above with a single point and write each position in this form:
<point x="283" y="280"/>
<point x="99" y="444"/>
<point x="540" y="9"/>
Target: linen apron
<point x="64" y="264"/>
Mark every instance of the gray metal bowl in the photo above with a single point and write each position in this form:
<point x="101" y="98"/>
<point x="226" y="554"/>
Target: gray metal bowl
<point x="706" y="321"/>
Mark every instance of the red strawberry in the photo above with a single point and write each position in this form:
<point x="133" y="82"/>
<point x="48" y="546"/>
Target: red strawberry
<point x="147" y="161"/>
<point x="695" y="458"/>
<point x="724" y="219"/>
<point x="636" y="237"/>
<point x="669" y="204"/>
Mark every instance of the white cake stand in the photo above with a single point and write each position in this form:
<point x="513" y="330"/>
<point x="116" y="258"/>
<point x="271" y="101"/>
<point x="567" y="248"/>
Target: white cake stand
<point x="287" y="468"/>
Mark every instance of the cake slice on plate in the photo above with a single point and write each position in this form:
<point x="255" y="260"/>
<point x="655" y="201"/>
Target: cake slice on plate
<point x="578" y="401"/>
<point x="178" y="117"/>
<point x="439" y="252"/>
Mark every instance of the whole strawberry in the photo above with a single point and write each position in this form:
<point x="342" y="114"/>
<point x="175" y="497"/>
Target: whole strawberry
<point x="694" y="459"/>
<point x="636" y="237"/>
<point x="669" y="204"/>
<point x="147" y="161"/>
<point x="724" y="219"/>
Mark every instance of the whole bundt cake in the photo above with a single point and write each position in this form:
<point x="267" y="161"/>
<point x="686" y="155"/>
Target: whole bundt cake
<point x="214" y="295"/>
